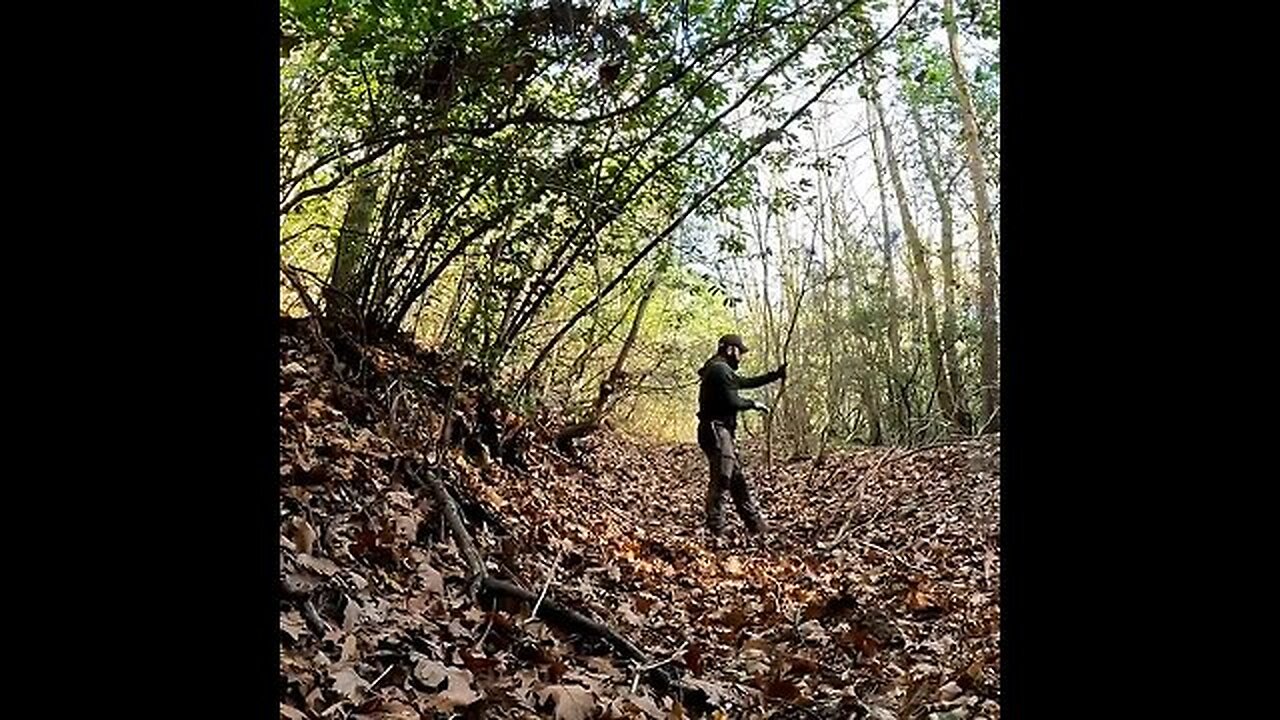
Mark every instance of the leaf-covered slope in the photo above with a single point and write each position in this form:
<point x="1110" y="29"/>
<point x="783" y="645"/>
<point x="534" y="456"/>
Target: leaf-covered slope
<point x="876" y="596"/>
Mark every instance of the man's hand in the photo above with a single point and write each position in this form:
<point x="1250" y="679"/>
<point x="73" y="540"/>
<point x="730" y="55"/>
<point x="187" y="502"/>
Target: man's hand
<point x="760" y="406"/>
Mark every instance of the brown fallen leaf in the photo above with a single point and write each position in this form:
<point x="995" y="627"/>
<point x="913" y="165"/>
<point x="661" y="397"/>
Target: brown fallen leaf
<point x="400" y="498"/>
<point x="835" y="606"/>
<point x="350" y="615"/>
<point x="733" y="565"/>
<point x="732" y="618"/>
<point x="459" y="693"/>
<point x="861" y="640"/>
<point x="813" y="631"/>
<point x="391" y="710"/>
<point x="293" y="370"/>
<point x="304" y="536"/>
<point x="301" y="583"/>
<point x="432" y="673"/>
<point x="630" y="617"/>
<point x="350" y="649"/>
<point x="346" y="682"/>
<point x="782" y="689"/>
<point x="315" y="700"/>
<point x="418" y="604"/>
<point x="457" y="630"/>
<point x="293" y="624"/>
<point x="646" y="705"/>
<point x="556" y="669"/>
<point x="572" y="702"/>
<point x="477" y="662"/>
<point x="431" y="578"/>
<point x="605" y="666"/>
<point x="405" y="528"/>
<point x="291" y="713"/>
<point x="324" y="566"/>
<point x="755" y="661"/>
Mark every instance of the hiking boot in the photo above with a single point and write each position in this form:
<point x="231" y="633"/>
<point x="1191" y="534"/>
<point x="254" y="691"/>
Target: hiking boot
<point x="761" y="537"/>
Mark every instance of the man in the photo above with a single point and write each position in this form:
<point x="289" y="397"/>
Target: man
<point x="718" y="407"/>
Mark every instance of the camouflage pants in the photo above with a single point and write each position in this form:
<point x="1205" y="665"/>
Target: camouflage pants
<point x="726" y="475"/>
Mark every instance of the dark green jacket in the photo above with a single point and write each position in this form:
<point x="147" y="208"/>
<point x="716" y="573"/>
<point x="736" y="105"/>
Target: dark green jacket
<point x="718" y="398"/>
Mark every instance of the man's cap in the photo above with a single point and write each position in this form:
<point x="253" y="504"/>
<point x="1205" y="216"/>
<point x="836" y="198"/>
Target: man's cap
<point x="734" y="340"/>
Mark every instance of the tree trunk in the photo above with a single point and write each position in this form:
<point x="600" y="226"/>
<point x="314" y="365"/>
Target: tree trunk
<point x="833" y="409"/>
<point x="891" y="285"/>
<point x="920" y="263"/>
<point x="989" y="359"/>
<point x="352" y="239"/>
<point x="929" y="145"/>
<point x="862" y="352"/>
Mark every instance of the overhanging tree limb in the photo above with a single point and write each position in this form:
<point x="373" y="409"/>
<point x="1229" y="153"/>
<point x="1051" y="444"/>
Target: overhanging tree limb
<point x="529" y="116"/>
<point x="766" y="139"/>
<point x="530" y="308"/>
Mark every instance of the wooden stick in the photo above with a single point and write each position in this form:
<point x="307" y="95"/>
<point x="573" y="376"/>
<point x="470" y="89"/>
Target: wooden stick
<point x="452" y="516"/>
<point x="487" y="626"/>
<point x="786" y="345"/>
<point x="374" y="684"/>
<point x="642" y="669"/>
<point x="551" y="573"/>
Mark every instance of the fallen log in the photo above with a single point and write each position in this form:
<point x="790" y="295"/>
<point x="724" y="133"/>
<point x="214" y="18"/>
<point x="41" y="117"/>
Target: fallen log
<point x="453" y="516"/>
<point x="662" y="676"/>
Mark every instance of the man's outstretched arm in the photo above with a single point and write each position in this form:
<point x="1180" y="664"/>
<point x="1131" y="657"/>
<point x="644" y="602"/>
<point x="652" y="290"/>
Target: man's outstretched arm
<point x="756" y="381"/>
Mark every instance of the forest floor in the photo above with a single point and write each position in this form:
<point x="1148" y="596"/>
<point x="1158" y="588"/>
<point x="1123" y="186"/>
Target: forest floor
<point x="876" y="595"/>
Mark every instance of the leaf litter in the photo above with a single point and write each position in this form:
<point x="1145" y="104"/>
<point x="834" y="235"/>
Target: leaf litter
<point x="875" y="596"/>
